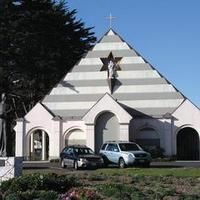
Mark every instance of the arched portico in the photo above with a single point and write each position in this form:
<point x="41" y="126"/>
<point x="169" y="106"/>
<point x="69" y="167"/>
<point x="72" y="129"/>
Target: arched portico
<point x="187" y="144"/>
<point x="38" y="144"/>
<point x="74" y="135"/>
<point x="106" y="128"/>
<point x="148" y="138"/>
<point x="116" y="116"/>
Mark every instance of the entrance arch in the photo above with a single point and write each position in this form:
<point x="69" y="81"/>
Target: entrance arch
<point x="39" y="145"/>
<point x="187" y="144"/>
<point x="75" y="136"/>
<point x="106" y="128"/>
<point x="148" y="138"/>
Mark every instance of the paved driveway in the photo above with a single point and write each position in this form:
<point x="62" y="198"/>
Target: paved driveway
<point x="176" y="164"/>
<point x="52" y="167"/>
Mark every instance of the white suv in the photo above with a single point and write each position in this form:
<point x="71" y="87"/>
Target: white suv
<point x="124" y="154"/>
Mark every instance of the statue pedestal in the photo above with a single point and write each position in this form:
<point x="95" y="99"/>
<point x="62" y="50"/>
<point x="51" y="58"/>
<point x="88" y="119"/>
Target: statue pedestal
<point x="10" y="167"/>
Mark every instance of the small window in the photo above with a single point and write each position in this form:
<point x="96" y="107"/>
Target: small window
<point x="112" y="147"/>
<point x="115" y="148"/>
<point x="109" y="147"/>
<point x="69" y="151"/>
<point x="65" y="150"/>
<point x="103" y="146"/>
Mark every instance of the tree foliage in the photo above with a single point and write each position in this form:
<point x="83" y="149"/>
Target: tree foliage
<point x="40" y="41"/>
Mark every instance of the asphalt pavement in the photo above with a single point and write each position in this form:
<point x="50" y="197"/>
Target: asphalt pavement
<point x="37" y="165"/>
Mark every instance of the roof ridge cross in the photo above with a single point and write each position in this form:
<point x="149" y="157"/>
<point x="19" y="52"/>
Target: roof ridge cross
<point x="110" y="18"/>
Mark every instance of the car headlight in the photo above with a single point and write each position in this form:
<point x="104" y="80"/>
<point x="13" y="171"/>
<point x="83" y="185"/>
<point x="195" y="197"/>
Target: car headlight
<point x="131" y="156"/>
<point x="83" y="160"/>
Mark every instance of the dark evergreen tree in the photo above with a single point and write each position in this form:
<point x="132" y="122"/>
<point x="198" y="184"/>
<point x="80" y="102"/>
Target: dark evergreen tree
<point x="40" y="41"/>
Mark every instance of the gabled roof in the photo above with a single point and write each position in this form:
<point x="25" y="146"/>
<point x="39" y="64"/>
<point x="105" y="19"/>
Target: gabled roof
<point x="45" y="113"/>
<point x="138" y="86"/>
<point x="106" y="103"/>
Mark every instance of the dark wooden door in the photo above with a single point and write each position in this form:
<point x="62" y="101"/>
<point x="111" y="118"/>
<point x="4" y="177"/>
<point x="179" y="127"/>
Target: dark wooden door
<point x="187" y="144"/>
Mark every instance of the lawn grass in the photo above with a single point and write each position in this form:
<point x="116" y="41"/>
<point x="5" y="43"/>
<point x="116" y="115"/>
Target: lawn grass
<point x="134" y="183"/>
<point x="176" y="172"/>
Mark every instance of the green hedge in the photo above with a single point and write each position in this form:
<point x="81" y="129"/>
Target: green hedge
<point x="36" y="186"/>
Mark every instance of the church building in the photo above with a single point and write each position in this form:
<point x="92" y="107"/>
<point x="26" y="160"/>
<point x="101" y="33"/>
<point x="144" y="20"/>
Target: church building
<point x="112" y="93"/>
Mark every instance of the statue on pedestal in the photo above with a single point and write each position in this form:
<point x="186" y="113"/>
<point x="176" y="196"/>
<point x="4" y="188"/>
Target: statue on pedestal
<point x="3" y="126"/>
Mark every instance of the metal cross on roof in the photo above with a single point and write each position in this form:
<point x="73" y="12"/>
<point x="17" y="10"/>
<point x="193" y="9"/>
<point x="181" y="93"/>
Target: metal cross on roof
<point x="110" y="18"/>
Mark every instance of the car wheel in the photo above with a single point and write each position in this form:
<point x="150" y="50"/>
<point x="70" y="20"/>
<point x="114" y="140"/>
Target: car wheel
<point x="122" y="163"/>
<point x="63" y="164"/>
<point x="76" y="165"/>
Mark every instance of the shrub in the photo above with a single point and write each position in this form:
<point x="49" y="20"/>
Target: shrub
<point x="29" y="195"/>
<point x="22" y="183"/>
<point x="55" y="160"/>
<point x="48" y="195"/>
<point x="80" y="194"/>
<point x="59" y="183"/>
<point x="36" y="184"/>
<point x="120" y="191"/>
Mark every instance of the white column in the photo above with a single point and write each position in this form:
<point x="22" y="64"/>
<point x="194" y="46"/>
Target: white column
<point x="32" y="142"/>
<point x="173" y="137"/>
<point x="167" y="137"/>
<point x="124" y="132"/>
<point x="19" y="138"/>
<point x="31" y="145"/>
<point x="43" y="145"/>
<point x="56" y="138"/>
<point x="90" y="138"/>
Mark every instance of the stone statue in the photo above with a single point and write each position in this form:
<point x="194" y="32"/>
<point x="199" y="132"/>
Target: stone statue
<point x="111" y="73"/>
<point x="2" y="126"/>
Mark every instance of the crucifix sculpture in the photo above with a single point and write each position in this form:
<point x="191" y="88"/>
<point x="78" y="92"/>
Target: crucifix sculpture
<point x="111" y="65"/>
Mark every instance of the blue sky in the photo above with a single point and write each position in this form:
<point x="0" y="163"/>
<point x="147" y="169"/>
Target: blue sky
<point x="165" y="32"/>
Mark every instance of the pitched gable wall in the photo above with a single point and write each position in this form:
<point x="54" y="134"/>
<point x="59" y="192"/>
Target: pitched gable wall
<point x="138" y="85"/>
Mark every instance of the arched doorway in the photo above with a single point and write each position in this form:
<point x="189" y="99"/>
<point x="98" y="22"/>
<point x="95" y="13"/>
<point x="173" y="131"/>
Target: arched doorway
<point x="148" y="138"/>
<point x="39" y="145"/>
<point x="106" y="128"/>
<point x="75" y="136"/>
<point x="187" y="144"/>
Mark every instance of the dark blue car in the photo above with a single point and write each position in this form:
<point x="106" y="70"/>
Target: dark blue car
<point x="79" y="156"/>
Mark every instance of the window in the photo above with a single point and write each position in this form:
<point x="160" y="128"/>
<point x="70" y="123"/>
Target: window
<point x="112" y="147"/>
<point x="128" y="147"/>
<point x="104" y="146"/>
<point x="69" y="151"/>
<point x="83" y="151"/>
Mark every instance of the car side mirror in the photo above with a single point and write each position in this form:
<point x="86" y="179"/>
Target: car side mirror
<point x="115" y="150"/>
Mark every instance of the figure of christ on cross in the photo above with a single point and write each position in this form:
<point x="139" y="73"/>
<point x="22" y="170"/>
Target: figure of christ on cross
<point x="111" y="73"/>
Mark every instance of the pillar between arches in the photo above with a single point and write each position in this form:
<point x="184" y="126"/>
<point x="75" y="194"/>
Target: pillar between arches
<point x="124" y="132"/>
<point x="19" y="137"/>
<point x="44" y="145"/>
<point x="90" y="136"/>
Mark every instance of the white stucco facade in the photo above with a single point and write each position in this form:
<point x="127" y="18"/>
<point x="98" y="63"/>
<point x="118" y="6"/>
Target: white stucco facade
<point x="187" y="115"/>
<point x="88" y="107"/>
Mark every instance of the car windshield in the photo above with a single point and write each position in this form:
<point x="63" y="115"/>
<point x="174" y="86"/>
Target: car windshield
<point x="128" y="147"/>
<point x="83" y="151"/>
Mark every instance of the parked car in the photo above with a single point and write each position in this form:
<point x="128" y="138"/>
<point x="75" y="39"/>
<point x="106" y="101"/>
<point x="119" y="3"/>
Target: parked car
<point x="79" y="156"/>
<point x="124" y="154"/>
